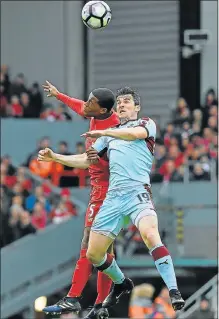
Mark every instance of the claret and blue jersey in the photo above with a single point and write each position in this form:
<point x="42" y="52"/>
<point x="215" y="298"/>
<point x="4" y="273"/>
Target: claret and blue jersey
<point x="130" y="162"/>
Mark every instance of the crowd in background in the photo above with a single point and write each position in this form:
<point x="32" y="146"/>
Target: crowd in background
<point x="187" y="148"/>
<point x="20" y="101"/>
<point x="188" y="144"/>
<point x="143" y="305"/>
<point x="27" y="205"/>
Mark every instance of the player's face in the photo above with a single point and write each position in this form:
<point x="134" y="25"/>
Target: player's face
<point x="92" y="108"/>
<point x="126" y="107"/>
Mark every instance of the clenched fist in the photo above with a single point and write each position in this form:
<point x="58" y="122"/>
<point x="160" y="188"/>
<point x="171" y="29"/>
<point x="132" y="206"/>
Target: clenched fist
<point x="51" y="89"/>
<point x="46" y="155"/>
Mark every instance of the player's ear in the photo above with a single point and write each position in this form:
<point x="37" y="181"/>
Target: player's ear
<point x="137" y="108"/>
<point x="103" y="110"/>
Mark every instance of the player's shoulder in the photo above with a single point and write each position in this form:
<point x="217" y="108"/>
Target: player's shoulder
<point x="146" y="121"/>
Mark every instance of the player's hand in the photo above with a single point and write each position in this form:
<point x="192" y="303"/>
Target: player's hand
<point x="94" y="134"/>
<point x="46" y="155"/>
<point x="50" y="89"/>
<point x="92" y="155"/>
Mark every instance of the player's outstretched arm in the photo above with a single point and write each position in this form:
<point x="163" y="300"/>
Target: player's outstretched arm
<point x="74" y="104"/>
<point x="78" y="161"/>
<point x="127" y="134"/>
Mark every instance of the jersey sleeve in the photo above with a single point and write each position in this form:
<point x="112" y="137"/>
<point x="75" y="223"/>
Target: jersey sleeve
<point x="74" y="104"/>
<point x="149" y="125"/>
<point x="101" y="145"/>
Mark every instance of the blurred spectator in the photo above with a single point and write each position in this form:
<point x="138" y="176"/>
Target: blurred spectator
<point x="4" y="103"/>
<point x="160" y="155"/>
<point x="60" y="213"/>
<point x="80" y="148"/>
<point x="12" y="231"/>
<point x="25" y="102"/>
<point x="197" y="117"/>
<point x="58" y="114"/>
<point x="43" y="143"/>
<point x="186" y="130"/>
<point x="39" y="217"/>
<point x="47" y="187"/>
<point x="181" y="113"/>
<point x="36" y="100"/>
<point x="204" y="312"/>
<point x="41" y="169"/>
<point x="171" y="172"/>
<point x="141" y="301"/>
<point x="24" y="225"/>
<point x="5" y="80"/>
<point x="18" y="85"/>
<point x="61" y="113"/>
<point x="66" y="198"/>
<point x="210" y="99"/>
<point x="17" y="202"/>
<point x="37" y="196"/>
<point x="4" y="201"/>
<point x="168" y="133"/>
<point x="49" y="114"/>
<point x="163" y="304"/>
<point x="16" y="108"/>
<point x="213" y="111"/>
<point x="25" y="182"/>
<point x="18" y="190"/>
<point x="198" y="173"/>
<point x="6" y="159"/>
<point x="212" y="123"/>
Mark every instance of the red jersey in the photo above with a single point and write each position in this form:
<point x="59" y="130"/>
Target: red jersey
<point x="99" y="174"/>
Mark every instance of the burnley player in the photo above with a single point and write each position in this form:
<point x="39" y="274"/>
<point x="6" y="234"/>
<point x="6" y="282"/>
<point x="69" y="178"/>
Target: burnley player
<point x="130" y="149"/>
<point x="99" y="108"/>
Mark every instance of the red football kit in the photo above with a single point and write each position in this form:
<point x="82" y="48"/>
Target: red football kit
<point x="99" y="174"/>
<point x="99" y="179"/>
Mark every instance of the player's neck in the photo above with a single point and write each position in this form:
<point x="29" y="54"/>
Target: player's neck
<point x="127" y="119"/>
<point x="103" y="116"/>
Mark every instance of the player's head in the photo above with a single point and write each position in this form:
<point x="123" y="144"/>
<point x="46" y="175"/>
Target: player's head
<point x="128" y="103"/>
<point x="100" y="102"/>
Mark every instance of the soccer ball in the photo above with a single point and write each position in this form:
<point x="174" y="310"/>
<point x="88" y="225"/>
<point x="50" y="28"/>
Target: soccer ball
<point x="96" y="14"/>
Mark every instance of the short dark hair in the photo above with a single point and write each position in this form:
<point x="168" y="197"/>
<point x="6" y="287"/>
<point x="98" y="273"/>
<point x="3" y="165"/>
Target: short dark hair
<point x="127" y="90"/>
<point x="106" y="98"/>
<point x="63" y="143"/>
<point x="79" y="144"/>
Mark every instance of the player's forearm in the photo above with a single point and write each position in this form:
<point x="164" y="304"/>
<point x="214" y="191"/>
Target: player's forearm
<point x="78" y="161"/>
<point x="74" y="104"/>
<point x="127" y="134"/>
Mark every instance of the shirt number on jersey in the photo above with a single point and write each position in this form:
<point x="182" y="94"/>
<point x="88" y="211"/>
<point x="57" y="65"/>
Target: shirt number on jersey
<point x="144" y="197"/>
<point x="91" y="210"/>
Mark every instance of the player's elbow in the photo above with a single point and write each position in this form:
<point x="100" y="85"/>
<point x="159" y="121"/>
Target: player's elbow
<point x="140" y="133"/>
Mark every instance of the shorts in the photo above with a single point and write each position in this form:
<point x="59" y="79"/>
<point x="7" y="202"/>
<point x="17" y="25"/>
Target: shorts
<point x="121" y="204"/>
<point x="97" y="196"/>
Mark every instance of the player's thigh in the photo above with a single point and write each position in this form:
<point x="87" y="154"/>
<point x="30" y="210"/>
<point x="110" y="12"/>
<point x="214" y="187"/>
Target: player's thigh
<point x="109" y="220"/>
<point x="98" y="245"/>
<point x="148" y="228"/>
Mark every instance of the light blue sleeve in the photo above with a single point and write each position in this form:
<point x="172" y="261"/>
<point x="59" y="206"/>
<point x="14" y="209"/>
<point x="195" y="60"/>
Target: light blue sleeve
<point x="100" y="144"/>
<point x="149" y="125"/>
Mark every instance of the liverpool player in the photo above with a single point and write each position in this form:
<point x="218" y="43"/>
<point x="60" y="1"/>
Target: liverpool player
<point x="99" y="108"/>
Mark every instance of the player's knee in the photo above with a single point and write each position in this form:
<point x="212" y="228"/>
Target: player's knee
<point x="150" y="234"/>
<point x="92" y="256"/>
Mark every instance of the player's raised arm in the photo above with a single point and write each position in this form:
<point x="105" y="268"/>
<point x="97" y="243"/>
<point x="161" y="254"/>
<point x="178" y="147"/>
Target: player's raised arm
<point x="78" y="161"/>
<point x="145" y="128"/>
<point x="128" y="134"/>
<point x="75" y="104"/>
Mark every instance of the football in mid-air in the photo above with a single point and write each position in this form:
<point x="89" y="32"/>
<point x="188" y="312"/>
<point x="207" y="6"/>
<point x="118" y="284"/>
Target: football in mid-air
<point x="96" y="14"/>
